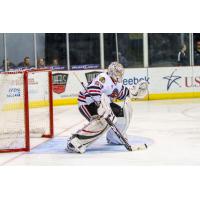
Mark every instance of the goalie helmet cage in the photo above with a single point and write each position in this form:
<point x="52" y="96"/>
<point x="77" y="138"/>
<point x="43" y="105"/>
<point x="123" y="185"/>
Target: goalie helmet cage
<point x="17" y="105"/>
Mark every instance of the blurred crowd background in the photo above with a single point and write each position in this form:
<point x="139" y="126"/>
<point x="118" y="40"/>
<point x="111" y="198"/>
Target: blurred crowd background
<point x="75" y="51"/>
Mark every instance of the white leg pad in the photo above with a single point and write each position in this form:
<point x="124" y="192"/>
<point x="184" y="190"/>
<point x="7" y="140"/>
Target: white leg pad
<point x="122" y="124"/>
<point x="77" y="145"/>
<point x="87" y="135"/>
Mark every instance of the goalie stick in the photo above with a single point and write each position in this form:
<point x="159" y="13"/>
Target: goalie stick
<point x="112" y="125"/>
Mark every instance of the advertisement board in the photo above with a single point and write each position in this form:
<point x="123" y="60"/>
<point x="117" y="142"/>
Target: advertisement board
<point x="195" y="81"/>
<point x="66" y="85"/>
<point x="164" y="83"/>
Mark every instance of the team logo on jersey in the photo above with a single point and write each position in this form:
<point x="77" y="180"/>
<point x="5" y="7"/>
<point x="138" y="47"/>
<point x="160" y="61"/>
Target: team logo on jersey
<point x="102" y="79"/>
<point x="91" y="75"/>
<point x="59" y="82"/>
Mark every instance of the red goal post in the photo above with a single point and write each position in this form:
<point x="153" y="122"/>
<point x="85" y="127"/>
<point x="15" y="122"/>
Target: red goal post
<point x="26" y="108"/>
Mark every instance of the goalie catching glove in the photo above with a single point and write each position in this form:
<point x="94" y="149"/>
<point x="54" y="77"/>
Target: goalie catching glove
<point x="139" y="91"/>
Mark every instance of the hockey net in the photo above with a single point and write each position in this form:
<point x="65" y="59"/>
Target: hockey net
<point x="26" y="108"/>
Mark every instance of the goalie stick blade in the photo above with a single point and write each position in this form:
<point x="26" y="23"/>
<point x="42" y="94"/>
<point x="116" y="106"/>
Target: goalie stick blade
<point x="138" y="147"/>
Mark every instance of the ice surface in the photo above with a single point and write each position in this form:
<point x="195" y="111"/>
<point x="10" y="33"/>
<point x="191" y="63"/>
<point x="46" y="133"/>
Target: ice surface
<point x="172" y="127"/>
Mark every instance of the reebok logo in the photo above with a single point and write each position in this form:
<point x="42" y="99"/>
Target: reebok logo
<point x="135" y="80"/>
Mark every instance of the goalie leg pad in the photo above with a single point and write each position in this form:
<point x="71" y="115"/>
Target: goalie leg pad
<point x="122" y="124"/>
<point x="79" y="141"/>
<point x="75" y="145"/>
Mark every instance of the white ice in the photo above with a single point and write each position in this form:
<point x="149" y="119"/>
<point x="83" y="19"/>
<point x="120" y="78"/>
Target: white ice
<point x="172" y="125"/>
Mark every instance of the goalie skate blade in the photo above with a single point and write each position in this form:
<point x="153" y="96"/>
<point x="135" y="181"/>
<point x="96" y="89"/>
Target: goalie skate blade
<point x="138" y="147"/>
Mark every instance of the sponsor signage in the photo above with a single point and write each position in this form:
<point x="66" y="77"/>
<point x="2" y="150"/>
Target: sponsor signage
<point x="172" y="79"/>
<point x="135" y="80"/>
<point x="91" y="75"/>
<point x="14" y="92"/>
<point x="176" y="80"/>
<point x="59" y="82"/>
<point x="88" y="66"/>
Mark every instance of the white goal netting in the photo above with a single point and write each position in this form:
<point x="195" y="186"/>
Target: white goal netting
<point x="13" y="120"/>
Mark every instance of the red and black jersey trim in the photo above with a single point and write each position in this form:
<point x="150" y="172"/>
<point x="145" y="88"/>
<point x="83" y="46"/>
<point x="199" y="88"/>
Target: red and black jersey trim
<point x="81" y="97"/>
<point x="93" y="87"/>
<point x="123" y="93"/>
<point x="81" y="100"/>
<point x="91" y="91"/>
<point x="92" y="94"/>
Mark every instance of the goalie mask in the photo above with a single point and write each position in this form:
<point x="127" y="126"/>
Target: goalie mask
<point x="116" y="71"/>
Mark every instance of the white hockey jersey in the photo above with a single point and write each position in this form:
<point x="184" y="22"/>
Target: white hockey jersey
<point x="102" y="84"/>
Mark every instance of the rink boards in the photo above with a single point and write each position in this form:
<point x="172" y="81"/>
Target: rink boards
<point x="164" y="83"/>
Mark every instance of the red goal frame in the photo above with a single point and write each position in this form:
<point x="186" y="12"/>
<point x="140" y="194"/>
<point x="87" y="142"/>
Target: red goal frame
<point x="26" y="109"/>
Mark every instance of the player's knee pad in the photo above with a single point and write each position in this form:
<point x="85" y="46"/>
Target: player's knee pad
<point x="122" y="124"/>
